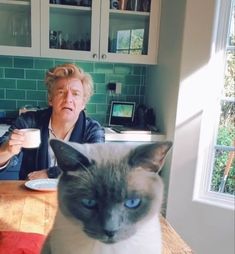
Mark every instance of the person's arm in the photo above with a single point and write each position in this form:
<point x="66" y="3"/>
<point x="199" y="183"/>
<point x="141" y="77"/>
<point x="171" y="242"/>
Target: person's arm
<point x="94" y="132"/>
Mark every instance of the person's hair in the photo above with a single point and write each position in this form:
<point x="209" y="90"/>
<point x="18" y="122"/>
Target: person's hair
<point x="69" y="71"/>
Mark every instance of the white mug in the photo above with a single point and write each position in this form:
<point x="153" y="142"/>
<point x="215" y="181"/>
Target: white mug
<point x="32" y="138"/>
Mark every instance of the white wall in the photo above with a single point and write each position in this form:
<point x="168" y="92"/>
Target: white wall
<point x="177" y="89"/>
<point x="163" y="79"/>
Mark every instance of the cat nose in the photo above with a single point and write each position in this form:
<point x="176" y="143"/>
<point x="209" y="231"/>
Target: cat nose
<point x="109" y="233"/>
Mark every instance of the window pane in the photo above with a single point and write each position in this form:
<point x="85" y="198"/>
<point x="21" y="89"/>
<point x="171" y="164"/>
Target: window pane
<point x="137" y="39"/>
<point x="224" y="172"/>
<point x="123" y="41"/>
<point x="223" y="175"/>
<point x="229" y="90"/>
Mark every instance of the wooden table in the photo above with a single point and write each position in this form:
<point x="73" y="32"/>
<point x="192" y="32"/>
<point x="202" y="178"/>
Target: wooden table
<point x="26" y="210"/>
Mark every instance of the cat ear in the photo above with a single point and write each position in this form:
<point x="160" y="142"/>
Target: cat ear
<point x="68" y="158"/>
<point x="151" y="156"/>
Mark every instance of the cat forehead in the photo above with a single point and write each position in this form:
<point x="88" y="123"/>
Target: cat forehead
<point x="104" y="151"/>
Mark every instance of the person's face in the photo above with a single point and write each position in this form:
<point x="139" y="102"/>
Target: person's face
<point x="67" y="99"/>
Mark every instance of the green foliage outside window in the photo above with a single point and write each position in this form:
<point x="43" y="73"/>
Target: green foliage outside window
<point x="226" y="131"/>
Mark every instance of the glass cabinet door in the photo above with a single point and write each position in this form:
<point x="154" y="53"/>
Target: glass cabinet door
<point x="16" y="27"/>
<point x="128" y="34"/>
<point x="132" y="30"/>
<point x="69" y="28"/>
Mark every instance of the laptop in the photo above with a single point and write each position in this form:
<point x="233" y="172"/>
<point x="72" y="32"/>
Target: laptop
<point x="121" y="118"/>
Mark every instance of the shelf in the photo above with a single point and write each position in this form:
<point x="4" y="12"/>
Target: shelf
<point x="14" y="6"/>
<point x="60" y="8"/>
<point x="129" y="13"/>
<point x="10" y="3"/>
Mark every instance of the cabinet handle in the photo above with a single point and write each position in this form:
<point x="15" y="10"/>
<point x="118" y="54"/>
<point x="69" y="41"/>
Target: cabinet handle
<point x="94" y="56"/>
<point x="104" y="56"/>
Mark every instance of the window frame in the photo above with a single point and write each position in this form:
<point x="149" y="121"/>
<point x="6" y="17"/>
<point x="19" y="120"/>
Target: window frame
<point x="210" y="119"/>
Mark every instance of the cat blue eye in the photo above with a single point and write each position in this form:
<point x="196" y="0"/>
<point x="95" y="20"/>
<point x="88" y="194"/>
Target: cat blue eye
<point x="89" y="203"/>
<point x="132" y="203"/>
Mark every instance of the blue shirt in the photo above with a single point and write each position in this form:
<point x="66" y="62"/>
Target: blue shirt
<point x="86" y="130"/>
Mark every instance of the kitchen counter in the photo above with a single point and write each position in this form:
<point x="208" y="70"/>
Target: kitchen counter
<point x="113" y="136"/>
<point x="26" y="210"/>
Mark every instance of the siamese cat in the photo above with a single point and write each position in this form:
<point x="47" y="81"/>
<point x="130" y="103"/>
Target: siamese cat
<point x="109" y="199"/>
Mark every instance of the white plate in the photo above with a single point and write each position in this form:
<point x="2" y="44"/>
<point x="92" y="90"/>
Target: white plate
<point x="42" y="184"/>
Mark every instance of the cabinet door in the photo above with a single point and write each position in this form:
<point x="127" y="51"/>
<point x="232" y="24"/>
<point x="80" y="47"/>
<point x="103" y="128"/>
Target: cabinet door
<point x="130" y="35"/>
<point x="19" y="27"/>
<point x="70" y="29"/>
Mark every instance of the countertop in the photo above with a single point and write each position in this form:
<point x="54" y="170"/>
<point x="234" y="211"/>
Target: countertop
<point x="113" y="136"/>
<point x="26" y="210"/>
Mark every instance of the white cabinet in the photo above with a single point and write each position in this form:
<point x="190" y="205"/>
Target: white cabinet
<point x="129" y="36"/>
<point x="69" y="31"/>
<point x="80" y="30"/>
<point x="96" y="32"/>
<point x="20" y="27"/>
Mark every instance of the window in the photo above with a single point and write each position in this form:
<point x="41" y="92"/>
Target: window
<point x="215" y="178"/>
<point x="130" y="41"/>
<point x="223" y="173"/>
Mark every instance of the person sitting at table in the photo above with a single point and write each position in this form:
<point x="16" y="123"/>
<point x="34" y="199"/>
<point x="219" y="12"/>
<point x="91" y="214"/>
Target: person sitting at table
<point x="69" y="89"/>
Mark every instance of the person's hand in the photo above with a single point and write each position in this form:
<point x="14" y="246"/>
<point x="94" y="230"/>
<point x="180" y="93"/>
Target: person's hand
<point x="41" y="174"/>
<point x="14" y="144"/>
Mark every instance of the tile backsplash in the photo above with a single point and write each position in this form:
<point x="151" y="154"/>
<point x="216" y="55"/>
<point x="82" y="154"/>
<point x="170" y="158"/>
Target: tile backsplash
<point x="22" y="83"/>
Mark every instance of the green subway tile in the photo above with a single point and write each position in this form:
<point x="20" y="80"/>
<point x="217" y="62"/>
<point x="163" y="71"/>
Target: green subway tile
<point x="43" y="104"/>
<point x="1" y="72"/>
<point x="132" y="98"/>
<point x="22" y="62"/>
<point x="98" y="77"/>
<point x="14" y="73"/>
<point x="101" y="108"/>
<point x="116" y="78"/>
<point x="132" y="80"/>
<point x="98" y="98"/>
<point x="90" y="108"/>
<point x="137" y="90"/>
<point x="142" y="90"/>
<point x="87" y="67"/>
<point x="104" y="67"/>
<point x="6" y="61"/>
<point x="101" y="88"/>
<point x="138" y="70"/>
<point x="41" y="85"/>
<point x="124" y="89"/>
<point x="22" y="103"/>
<point x="36" y="95"/>
<point x="43" y="63"/>
<point x="100" y="118"/>
<point x="27" y="84"/>
<point x="62" y="61"/>
<point x="130" y="90"/>
<point x="2" y="93"/>
<point x="7" y="83"/>
<point x="7" y="104"/>
<point x="35" y="74"/>
<point x="15" y="94"/>
<point x="122" y="69"/>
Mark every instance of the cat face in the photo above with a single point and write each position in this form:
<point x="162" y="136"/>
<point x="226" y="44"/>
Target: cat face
<point x="110" y="189"/>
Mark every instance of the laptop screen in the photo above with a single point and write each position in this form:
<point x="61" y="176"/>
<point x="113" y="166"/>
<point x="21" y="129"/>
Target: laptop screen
<point x="122" y="113"/>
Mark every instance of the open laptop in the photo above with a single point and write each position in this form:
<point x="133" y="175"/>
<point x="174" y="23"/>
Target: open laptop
<point x="121" y="118"/>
